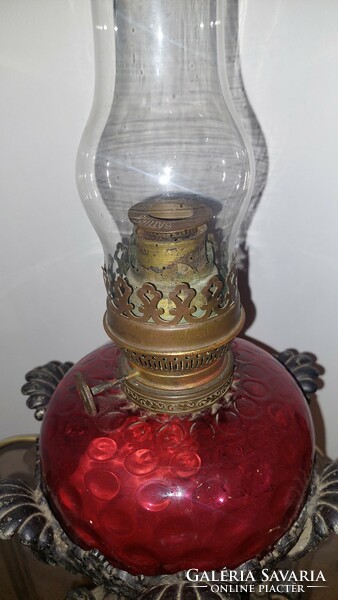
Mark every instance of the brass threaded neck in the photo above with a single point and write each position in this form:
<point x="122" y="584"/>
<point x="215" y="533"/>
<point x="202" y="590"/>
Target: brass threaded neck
<point x="171" y="312"/>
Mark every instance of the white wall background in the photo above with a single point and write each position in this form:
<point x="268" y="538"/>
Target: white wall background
<point x="51" y="294"/>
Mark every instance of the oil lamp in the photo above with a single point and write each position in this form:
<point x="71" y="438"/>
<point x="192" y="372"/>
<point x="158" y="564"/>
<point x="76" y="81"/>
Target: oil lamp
<point x="175" y="445"/>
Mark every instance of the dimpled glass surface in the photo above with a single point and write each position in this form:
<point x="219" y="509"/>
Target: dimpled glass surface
<point x="160" y="493"/>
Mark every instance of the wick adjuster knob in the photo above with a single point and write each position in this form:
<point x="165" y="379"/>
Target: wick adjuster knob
<point x="87" y="393"/>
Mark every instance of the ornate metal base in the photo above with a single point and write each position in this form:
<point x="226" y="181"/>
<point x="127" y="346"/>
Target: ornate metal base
<point x="26" y="513"/>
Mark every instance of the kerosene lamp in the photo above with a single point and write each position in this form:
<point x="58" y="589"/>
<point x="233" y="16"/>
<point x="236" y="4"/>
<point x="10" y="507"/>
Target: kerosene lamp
<point x="175" y="445"/>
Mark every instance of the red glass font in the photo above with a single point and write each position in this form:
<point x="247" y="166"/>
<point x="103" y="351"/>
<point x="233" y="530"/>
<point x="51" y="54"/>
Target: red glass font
<point x="162" y="493"/>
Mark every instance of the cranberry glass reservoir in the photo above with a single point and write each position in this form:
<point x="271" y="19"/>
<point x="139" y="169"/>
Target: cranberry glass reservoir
<point x="160" y="493"/>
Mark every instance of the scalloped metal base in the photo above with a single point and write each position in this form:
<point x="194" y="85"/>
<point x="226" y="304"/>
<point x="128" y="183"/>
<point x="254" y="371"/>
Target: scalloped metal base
<point x="25" y="512"/>
<point x="157" y="593"/>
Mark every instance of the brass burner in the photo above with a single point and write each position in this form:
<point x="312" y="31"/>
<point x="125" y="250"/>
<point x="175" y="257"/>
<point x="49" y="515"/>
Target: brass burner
<point x="171" y="312"/>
